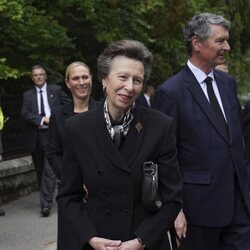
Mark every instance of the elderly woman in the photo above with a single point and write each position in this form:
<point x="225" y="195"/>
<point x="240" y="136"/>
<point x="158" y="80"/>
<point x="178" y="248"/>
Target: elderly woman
<point x="104" y="154"/>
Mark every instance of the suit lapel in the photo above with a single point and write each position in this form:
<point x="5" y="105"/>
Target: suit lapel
<point x="68" y="110"/>
<point x="34" y="101"/>
<point x="222" y="86"/>
<point x="93" y="104"/>
<point x="50" y="95"/>
<point x="199" y="96"/>
<point x="106" y="143"/>
<point x="134" y="140"/>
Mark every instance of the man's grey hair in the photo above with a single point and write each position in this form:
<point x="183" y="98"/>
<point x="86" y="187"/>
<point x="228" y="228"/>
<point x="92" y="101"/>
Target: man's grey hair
<point x="200" y="26"/>
<point x="38" y="66"/>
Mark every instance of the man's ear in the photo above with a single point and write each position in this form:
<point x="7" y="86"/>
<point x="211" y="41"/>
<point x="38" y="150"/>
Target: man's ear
<point x="196" y="43"/>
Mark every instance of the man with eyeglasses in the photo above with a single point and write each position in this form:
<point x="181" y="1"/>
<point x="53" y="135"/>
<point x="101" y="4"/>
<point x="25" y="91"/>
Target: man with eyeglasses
<point x="36" y="110"/>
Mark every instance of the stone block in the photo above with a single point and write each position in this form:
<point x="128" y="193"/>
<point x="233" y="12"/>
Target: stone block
<point x="17" y="178"/>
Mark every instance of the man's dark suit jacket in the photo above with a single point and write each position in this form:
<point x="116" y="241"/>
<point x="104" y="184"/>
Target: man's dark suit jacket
<point x="113" y="178"/>
<point x="207" y="157"/>
<point x="56" y="133"/>
<point x="31" y="115"/>
<point x="1" y="145"/>
<point x="141" y="100"/>
<point x="246" y="125"/>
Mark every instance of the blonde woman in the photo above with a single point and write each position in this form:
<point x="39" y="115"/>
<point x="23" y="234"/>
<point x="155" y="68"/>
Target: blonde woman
<point x="78" y="79"/>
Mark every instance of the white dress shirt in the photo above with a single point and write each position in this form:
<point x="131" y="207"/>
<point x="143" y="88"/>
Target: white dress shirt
<point x="45" y="101"/>
<point x="147" y="99"/>
<point x="201" y="77"/>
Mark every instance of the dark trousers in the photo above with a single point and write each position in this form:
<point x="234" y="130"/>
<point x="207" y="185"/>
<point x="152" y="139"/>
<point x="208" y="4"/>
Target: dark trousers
<point x="235" y="236"/>
<point x="48" y="184"/>
<point x="45" y="176"/>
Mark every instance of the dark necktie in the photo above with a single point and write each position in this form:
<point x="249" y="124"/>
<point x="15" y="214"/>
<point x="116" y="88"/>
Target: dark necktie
<point x="42" y="113"/>
<point x="215" y="105"/>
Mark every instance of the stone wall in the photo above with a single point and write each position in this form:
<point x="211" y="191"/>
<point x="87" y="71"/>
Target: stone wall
<point x="17" y="178"/>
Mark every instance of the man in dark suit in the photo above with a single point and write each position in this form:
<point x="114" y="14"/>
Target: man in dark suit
<point x="1" y="128"/>
<point x="246" y="125"/>
<point x="2" y="212"/>
<point x="36" y="110"/>
<point x="146" y="99"/>
<point x="209" y="140"/>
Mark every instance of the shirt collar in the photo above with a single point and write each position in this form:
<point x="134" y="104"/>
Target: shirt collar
<point x="198" y="73"/>
<point x="147" y="96"/>
<point x="43" y="88"/>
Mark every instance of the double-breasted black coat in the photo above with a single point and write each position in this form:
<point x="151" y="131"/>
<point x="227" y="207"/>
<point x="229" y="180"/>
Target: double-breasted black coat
<point x="112" y="178"/>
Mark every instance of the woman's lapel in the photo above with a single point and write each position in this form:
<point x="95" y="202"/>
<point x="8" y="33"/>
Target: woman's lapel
<point x="124" y="157"/>
<point x="105" y="142"/>
<point x="134" y="140"/>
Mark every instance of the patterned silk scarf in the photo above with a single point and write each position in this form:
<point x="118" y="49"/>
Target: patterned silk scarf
<point x="117" y="131"/>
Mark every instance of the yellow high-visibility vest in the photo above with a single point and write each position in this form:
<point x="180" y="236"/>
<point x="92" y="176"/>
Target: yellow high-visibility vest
<point x="1" y="119"/>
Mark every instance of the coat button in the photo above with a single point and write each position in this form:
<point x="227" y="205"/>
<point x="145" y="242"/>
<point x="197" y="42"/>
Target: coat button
<point x="127" y="212"/>
<point x="127" y="192"/>
<point x="231" y="171"/>
<point x="104" y="192"/>
<point x="108" y="212"/>
<point x="99" y="172"/>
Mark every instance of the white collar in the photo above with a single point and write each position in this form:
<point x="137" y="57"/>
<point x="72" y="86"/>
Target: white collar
<point x="43" y="88"/>
<point x="198" y="73"/>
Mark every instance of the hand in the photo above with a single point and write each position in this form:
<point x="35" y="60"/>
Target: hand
<point x="131" y="244"/>
<point x="180" y="225"/>
<point x="99" y="243"/>
<point x="46" y="120"/>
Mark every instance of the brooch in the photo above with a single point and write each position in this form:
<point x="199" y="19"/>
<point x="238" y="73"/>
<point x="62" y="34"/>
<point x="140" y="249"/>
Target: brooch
<point x="138" y="127"/>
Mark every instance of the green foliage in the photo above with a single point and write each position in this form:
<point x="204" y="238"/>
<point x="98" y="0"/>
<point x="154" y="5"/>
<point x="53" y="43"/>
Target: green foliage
<point x="238" y="12"/>
<point x="11" y="9"/>
<point x="29" y="36"/>
<point x="8" y="72"/>
<point x="58" y="32"/>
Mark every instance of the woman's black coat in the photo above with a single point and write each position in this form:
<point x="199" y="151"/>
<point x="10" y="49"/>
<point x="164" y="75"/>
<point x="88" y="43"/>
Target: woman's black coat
<point x="110" y="180"/>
